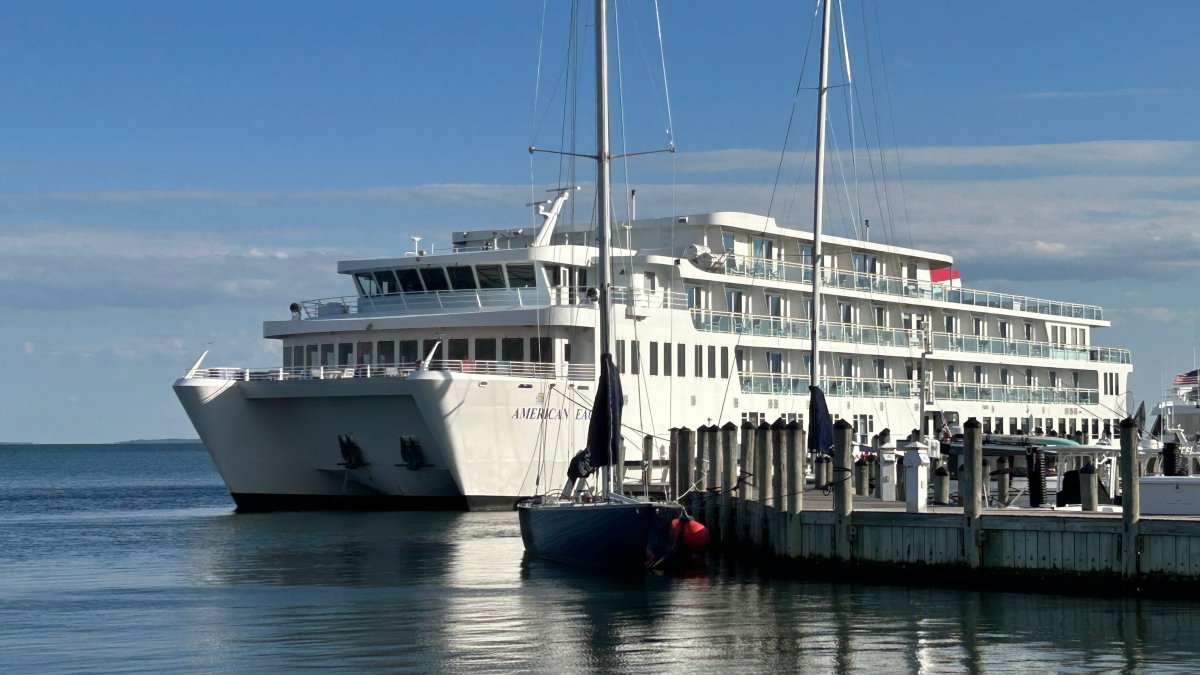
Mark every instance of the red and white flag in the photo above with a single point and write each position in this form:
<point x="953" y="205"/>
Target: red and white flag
<point x="1187" y="379"/>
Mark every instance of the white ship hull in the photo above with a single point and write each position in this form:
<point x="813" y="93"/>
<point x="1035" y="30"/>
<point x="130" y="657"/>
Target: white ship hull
<point x="276" y="444"/>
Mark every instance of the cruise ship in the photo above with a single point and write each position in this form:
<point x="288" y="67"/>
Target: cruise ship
<point x="454" y="379"/>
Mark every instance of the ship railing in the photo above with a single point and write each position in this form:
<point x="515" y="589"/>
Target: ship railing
<point x="974" y="344"/>
<point x="867" y="282"/>
<point x="527" y="369"/>
<point x="492" y="298"/>
<point x="776" y="326"/>
<point x="1002" y="393"/>
<point x="797" y="385"/>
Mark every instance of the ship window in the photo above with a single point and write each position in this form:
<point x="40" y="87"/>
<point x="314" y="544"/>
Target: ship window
<point x="327" y="355"/>
<point x="694" y="299"/>
<point x="724" y="362"/>
<point x="310" y="356"/>
<point x="366" y="353"/>
<point x="386" y="351"/>
<point x="366" y="283"/>
<point x="410" y="281"/>
<point x="521" y="276"/>
<point x="490" y="276"/>
<point x="541" y="350"/>
<point x="653" y="358"/>
<point x="485" y="349"/>
<point x="699" y="361"/>
<point x="287" y="357"/>
<point x="712" y="361"/>
<point x="345" y="351"/>
<point x="387" y="282"/>
<point x="667" y="359"/>
<point x="297" y="356"/>
<point x="634" y="357"/>
<point x="408" y="351"/>
<point x="512" y="349"/>
<point x="462" y="278"/>
<point x="651" y="282"/>
<point x="681" y="357"/>
<point x="435" y="279"/>
<point x="432" y="350"/>
<point x="459" y="349"/>
<point x="621" y="355"/>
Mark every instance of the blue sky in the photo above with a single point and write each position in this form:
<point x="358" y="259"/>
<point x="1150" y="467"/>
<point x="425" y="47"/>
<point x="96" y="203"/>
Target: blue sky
<point x="172" y="174"/>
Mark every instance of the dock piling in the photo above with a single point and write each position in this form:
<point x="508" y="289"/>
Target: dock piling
<point x="1131" y="502"/>
<point x="969" y="489"/>
<point x="728" y="473"/>
<point x="843" y="498"/>
<point x="1088" y="497"/>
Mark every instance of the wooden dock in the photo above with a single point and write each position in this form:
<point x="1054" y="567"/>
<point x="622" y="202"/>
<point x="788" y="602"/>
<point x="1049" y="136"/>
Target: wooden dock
<point x="766" y="513"/>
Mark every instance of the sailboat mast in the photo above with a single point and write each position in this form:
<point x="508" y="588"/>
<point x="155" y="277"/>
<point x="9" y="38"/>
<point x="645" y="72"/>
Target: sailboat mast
<point x="603" y="185"/>
<point x="603" y="190"/>
<point x="819" y="196"/>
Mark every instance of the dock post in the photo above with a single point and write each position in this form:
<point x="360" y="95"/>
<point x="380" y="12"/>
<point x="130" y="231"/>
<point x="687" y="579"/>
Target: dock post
<point x="887" y="472"/>
<point x="795" y="487"/>
<point x="1003" y="479"/>
<point x="860" y="477"/>
<point x="762" y="480"/>
<point x="728" y="472"/>
<point x="745" y="456"/>
<point x="1088" y="497"/>
<point x="843" y="498"/>
<point x="713" y="484"/>
<point x="941" y="486"/>
<point x="1131" y="503"/>
<point x="687" y="462"/>
<point x="916" y="479"/>
<point x="795" y="467"/>
<point x="819" y="480"/>
<point x="970" y="491"/>
<point x="647" y="463"/>
<point x="778" y="462"/>
<point x="673" y="479"/>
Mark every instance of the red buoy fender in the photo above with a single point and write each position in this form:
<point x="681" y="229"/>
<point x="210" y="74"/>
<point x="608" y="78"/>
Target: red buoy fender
<point x="695" y="536"/>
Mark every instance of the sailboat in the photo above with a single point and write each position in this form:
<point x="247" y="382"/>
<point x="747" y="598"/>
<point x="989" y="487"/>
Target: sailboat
<point x="609" y="530"/>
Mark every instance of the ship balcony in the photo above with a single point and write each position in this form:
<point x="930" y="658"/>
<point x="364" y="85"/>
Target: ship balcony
<point x="797" y="385"/>
<point x="776" y="270"/>
<point x="522" y="369"/>
<point x="878" y="336"/>
<point x="436" y="302"/>
<point x="972" y="344"/>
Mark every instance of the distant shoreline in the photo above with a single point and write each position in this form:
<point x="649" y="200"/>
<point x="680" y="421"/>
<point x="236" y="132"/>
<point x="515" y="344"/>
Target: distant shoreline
<point x="140" y="441"/>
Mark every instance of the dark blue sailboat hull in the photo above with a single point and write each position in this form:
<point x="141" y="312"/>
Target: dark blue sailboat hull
<point x="605" y="535"/>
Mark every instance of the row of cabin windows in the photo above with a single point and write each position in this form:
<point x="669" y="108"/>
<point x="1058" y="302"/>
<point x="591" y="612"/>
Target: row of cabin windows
<point x="1092" y="427"/>
<point x="1112" y="384"/>
<point x="672" y="360"/>
<point x="392" y="352"/>
<point x="451" y="278"/>
<point x="953" y="374"/>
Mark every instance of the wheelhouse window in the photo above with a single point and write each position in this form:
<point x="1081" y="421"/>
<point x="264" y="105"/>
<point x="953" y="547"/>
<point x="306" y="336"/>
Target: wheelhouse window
<point x="462" y="278"/>
<point x="366" y="283"/>
<point x="490" y="276"/>
<point x="521" y="276"/>
<point x="694" y="297"/>
<point x="387" y="282"/>
<point x="410" y="280"/>
<point x="327" y="355"/>
<point x="864" y="263"/>
<point x="435" y="279"/>
<point x="345" y="351"/>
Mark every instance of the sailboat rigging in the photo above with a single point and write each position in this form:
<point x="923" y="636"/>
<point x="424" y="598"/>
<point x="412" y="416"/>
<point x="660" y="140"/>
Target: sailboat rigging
<point x="612" y="530"/>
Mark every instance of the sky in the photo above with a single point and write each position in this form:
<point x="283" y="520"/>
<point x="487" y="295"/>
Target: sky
<point x="173" y="174"/>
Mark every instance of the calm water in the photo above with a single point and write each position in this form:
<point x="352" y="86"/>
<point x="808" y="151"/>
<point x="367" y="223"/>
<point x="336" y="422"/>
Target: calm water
<point x="129" y="558"/>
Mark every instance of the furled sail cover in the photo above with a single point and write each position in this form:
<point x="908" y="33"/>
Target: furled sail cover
<point x="604" y="430"/>
<point x="820" y="437"/>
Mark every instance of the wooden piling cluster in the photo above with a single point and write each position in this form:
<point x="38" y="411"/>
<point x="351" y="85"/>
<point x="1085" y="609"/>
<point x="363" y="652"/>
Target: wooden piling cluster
<point x="747" y="485"/>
